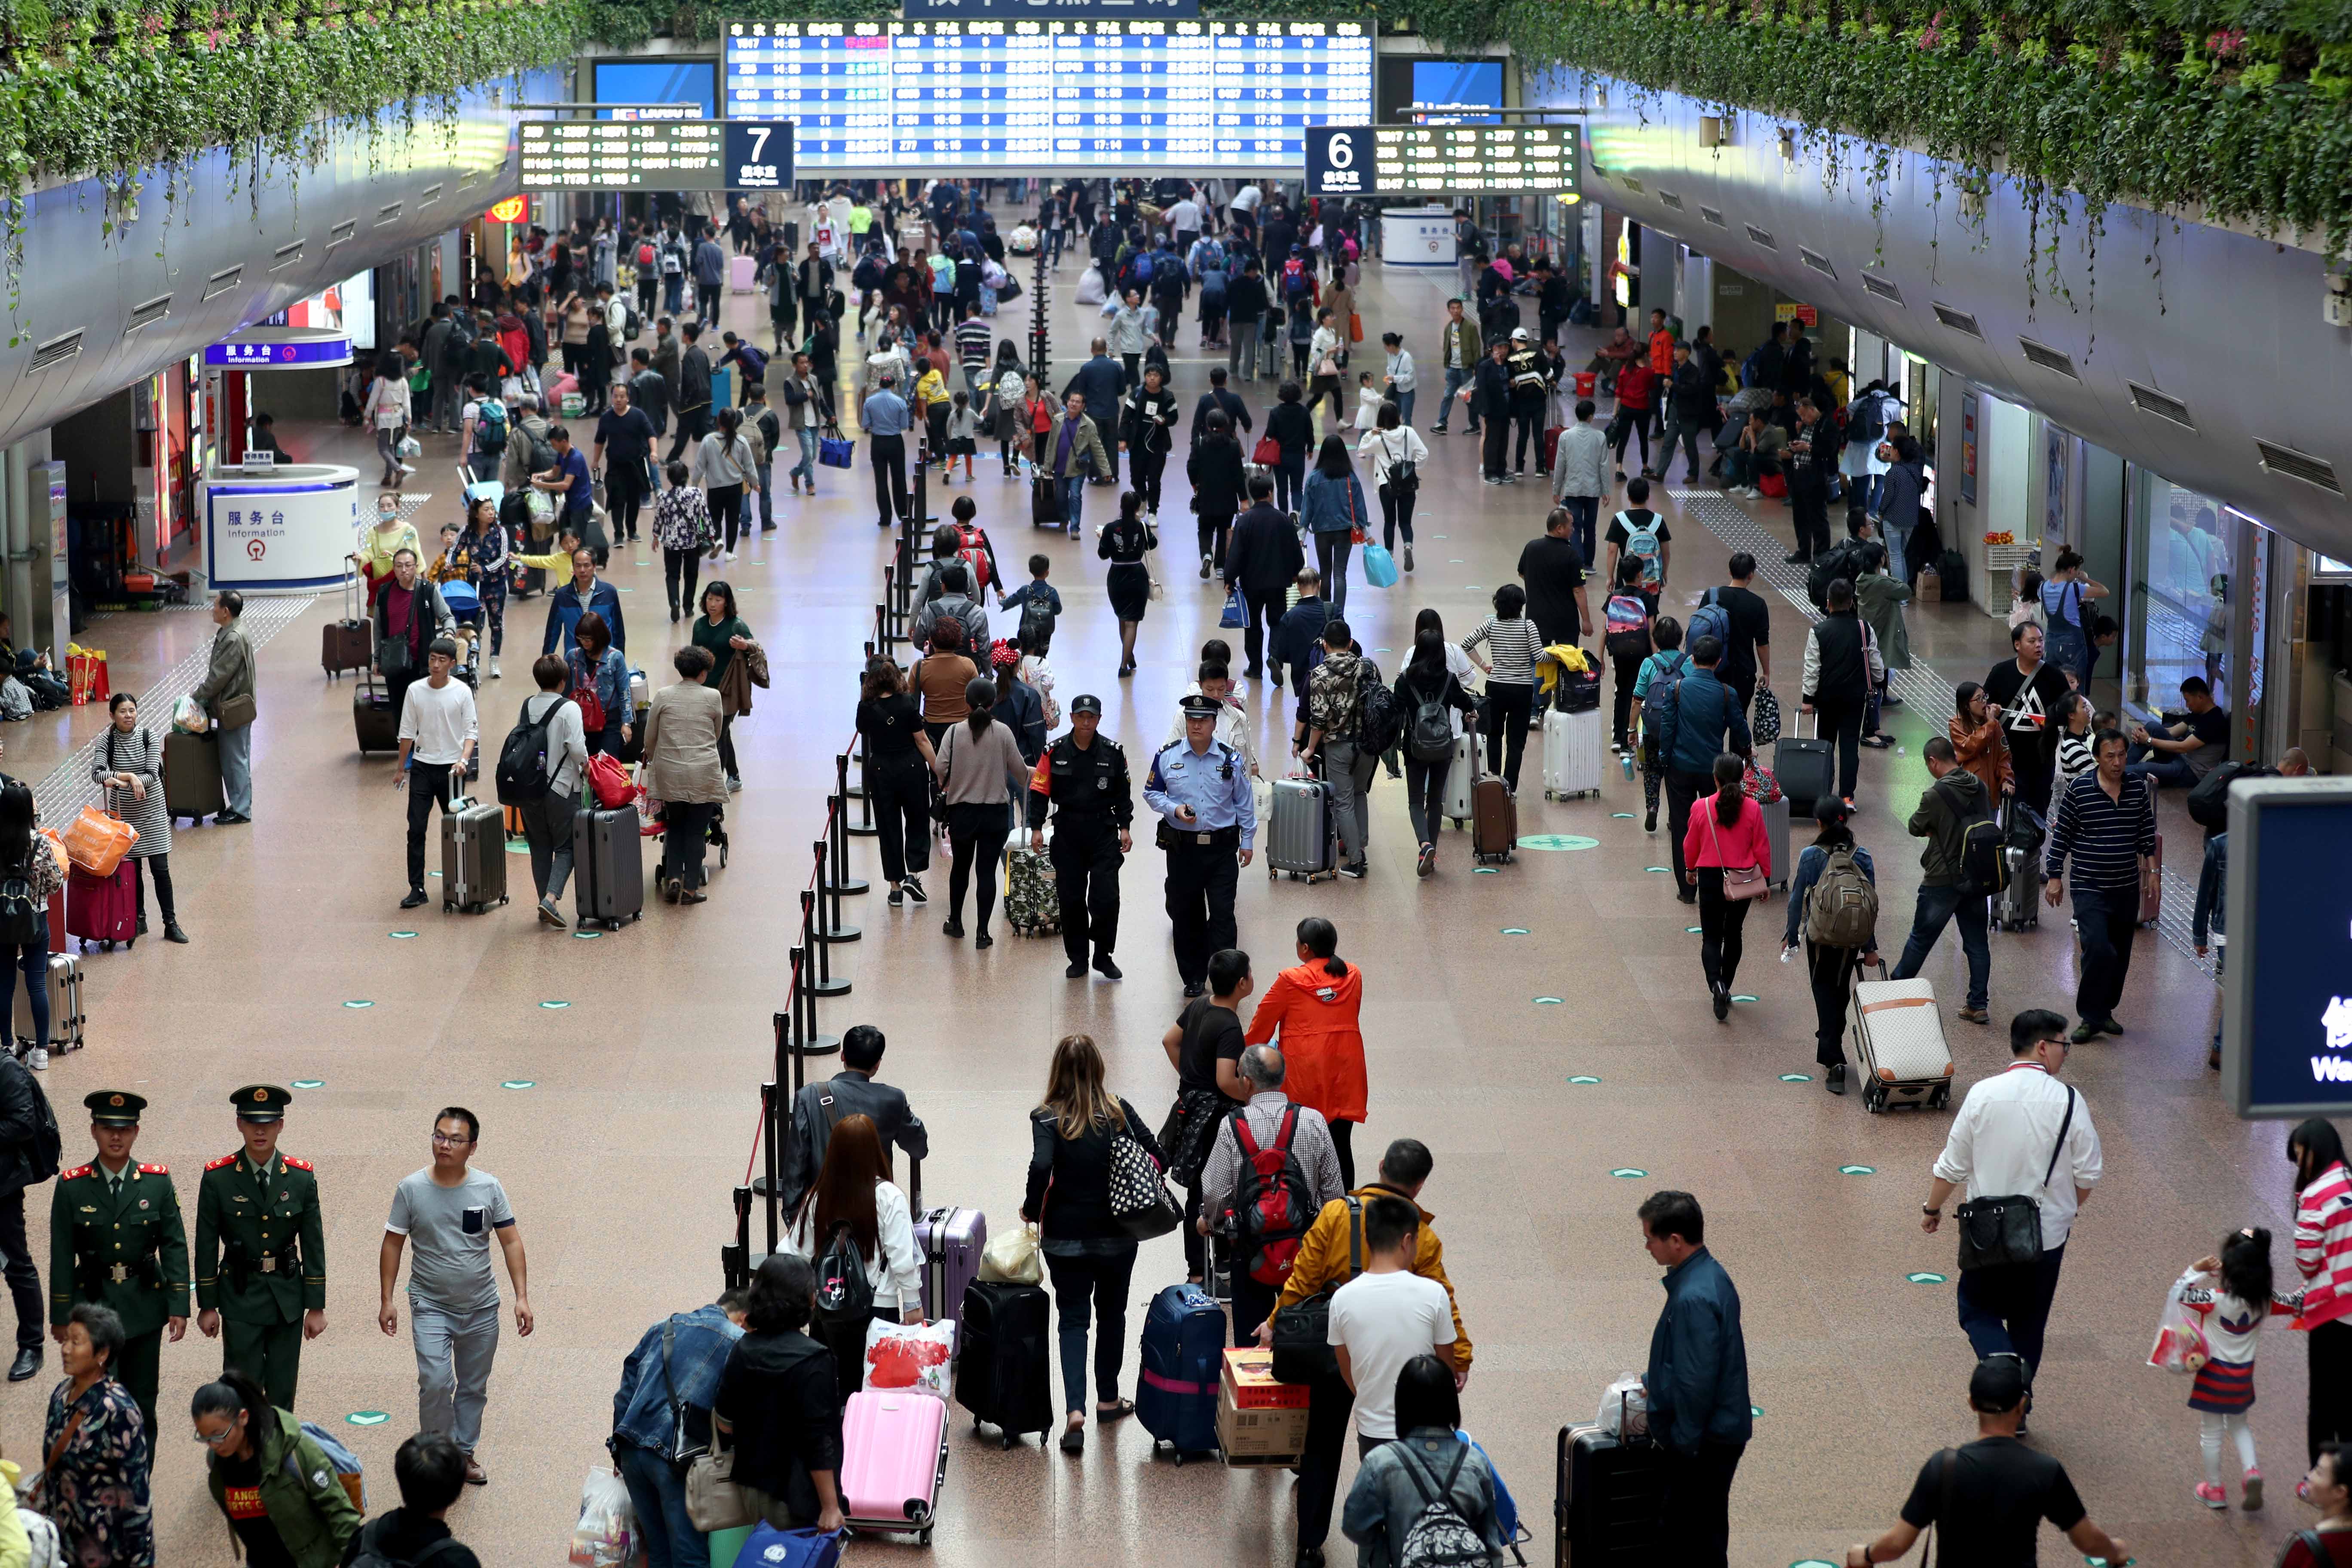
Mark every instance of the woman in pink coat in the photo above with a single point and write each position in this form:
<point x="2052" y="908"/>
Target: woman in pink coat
<point x="1727" y="832"/>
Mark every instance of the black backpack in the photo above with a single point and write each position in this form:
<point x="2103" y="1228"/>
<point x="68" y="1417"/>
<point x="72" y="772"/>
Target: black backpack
<point x="1845" y="562"/>
<point x="1378" y="723"/>
<point x="47" y="1157"/>
<point x="22" y="919"/>
<point x="844" y="1296"/>
<point x="523" y="758"/>
<point x="1981" y="872"/>
<point x="1868" y="421"/>
<point x="2209" y="803"/>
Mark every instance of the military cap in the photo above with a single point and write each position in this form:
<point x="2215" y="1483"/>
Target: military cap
<point x="261" y="1102"/>
<point x="114" y="1107"/>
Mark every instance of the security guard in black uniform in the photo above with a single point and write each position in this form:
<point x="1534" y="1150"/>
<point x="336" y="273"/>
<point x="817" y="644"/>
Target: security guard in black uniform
<point x="1200" y="788"/>
<point x="1083" y="775"/>
<point x="261" y="1253"/>
<point x="116" y="1240"/>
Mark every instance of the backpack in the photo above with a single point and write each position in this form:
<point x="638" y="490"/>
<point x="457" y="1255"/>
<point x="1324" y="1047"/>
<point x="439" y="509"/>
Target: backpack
<point x="1845" y="562"/>
<point x="15" y="699"/>
<point x="491" y="425"/>
<point x="631" y="322"/>
<point x="1843" y="909"/>
<point x="369" y="1557"/>
<point x="1642" y="544"/>
<point x="22" y="921"/>
<point x="1867" y="420"/>
<point x="1438" y="1537"/>
<point x="1378" y="722"/>
<point x="973" y="553"/>
<point x="542" y="454"/>
<point x="1628" y="618"/>
<point x="1037" y="622"/>
<point x="341" y="1460"/>
<point x="1295" y="284"/>
<point x="523" y="758"/>
<point x="1709" y="620"/>
<point x="1659" y="703"/>
<point x="1143" y="267"/>
<point x="1271" y="1200"/>
<point x="1981" y="870"/>
<point x="48" y="1143"/>
<point x="1212" y="258"/>
<point x="844" y="1295"/>
<point x="1428" y="735"/>
<point x="2209" y="803"/>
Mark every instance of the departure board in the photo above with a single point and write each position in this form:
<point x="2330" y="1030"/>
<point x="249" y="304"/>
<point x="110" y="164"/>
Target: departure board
<point x="1022" y="95"/>
<point x="654" y="155"/>
<point x="1467" y="159"/>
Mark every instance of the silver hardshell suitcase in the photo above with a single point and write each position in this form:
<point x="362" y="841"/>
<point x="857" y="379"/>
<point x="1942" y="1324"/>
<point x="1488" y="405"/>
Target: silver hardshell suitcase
<point x="1300" y="839"/>
<point x="1899" y="1036"/>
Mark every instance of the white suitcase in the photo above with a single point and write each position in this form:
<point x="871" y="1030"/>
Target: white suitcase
<point x="1460" y="775"/>
<point x="1572" y="753"/>
<point x="1899" y="1036"/>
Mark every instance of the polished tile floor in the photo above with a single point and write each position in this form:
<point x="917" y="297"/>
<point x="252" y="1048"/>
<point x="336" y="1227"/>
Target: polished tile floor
<point x="1544" y="1029"/>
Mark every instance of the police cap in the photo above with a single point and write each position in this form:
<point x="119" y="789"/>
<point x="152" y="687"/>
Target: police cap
<point x="261" y="1102"/>
<point x="1087" y="704"/>
<point x="1199" y="705"/>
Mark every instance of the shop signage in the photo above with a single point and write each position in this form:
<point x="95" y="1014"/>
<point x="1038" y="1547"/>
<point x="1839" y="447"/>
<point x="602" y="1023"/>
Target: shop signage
<point x="508" y="211"/>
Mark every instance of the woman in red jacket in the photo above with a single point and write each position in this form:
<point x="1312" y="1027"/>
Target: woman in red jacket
<point x="2323" y="1256"/>
<point x="1315" y="1005"/>
<point x="1728" y="833"/>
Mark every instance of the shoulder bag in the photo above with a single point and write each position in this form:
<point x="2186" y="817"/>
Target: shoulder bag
<point x="2005" y="1230"/>
<point x="1740" y="882"/>
<point x="1140" y="1199"/>
<point x="1302" y="1351"/>
<point x="682" y="1451"/>
<point x="713" y="1500"/>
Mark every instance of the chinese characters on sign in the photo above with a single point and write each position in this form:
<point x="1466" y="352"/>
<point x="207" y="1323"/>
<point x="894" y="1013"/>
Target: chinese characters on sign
<point x="1467" y="159"/>
<point x="656" y="154"/>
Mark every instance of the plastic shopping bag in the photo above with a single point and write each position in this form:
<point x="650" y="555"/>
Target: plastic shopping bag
<point x="1091" y="285"/>
<point x="1379" y="566"/>
<point x="188" y="716"/>
<point x="606" y="1533"/>
<point x="1011" y="1258"/>
<point x="2179" y="1344"/>
<point x="910" y="1356"/>
<point x="97" y="843"/>
<point x="1625" y="1407"/>
<point x="1233" y="614"/>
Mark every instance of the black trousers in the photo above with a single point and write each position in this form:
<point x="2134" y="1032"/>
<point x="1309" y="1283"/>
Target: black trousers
<point x="1682" y="789"/>
<point x="976" y="834"/>
<point x="1526" y="425"/>
<point x="2106" y="918"/>
<point x="1343" y="1143"/>
<point x="900" y="789"/>
<point x="625" y="488"/>
<point x="693" y="424"/>
<point x="1144" y="469"/>
<point x="1495" y="445"/>
<point x="681" y="569"/>
<point x="1396" y="512"/>
<point x="1201" y="881"/>
<point x="1722" y="925"/>
<point x="685" y="840"/>
<point x="24" y="1277"/>
<point x="2329" y="1415"/>
<point x="1330" y="1404"/>
<point x="429" y="784"/>
<point x="159" y="866"/>
<point x="1087" y="860"/>
<point x="1809" y="506"/>
<point x="1628" y="672"/>
<point x="1509" y="707"/>
<point x="1213" y="532"/>
<point x="727" y="512"/>
<point x="1832" y="971"/>
<point x="1699" y="1505"/>
<point x="1841" y="720"/>
<point x="1263" y="610"/>
<point x="889" y="458"/>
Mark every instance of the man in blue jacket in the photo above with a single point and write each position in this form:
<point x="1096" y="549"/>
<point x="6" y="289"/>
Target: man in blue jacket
<point x="1703" y="722"/>
<point x="674" y="1372"/>
<point x="1101" y="381"/>
<point x="1697" y="1383"/>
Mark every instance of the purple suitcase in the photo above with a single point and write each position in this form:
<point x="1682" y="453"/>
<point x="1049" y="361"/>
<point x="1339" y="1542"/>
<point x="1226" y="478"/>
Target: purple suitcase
<point x="950" y="1240"/>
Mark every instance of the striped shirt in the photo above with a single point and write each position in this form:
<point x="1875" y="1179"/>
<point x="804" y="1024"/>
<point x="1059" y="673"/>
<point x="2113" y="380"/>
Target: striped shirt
<point x="2106" y="838"/>
<point x="1516" y="643"/>
<point x="2074" y="757"/>
<point x="2323" y="1247"/>
<point x="973" y="341"/>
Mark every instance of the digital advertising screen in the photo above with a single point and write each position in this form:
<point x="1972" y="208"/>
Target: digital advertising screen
<point x="692" y="82"/>
<point x="1037" y="95"/>
<point x="2286" y="987"/>
<point x="1458" y="88"/>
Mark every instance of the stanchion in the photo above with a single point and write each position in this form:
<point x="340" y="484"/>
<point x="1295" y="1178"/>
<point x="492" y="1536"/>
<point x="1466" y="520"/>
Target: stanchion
<point x="810" y="1042"/>
<point x="823" y="982"/>
<point x="831" y="927"/>
<point x="771" y="1109"/>
<point x="735" y="1256"/>
<point x="843" y="829"/>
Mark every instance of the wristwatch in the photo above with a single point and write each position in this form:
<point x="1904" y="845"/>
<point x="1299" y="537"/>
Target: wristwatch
<point x="1930" y="1208"/>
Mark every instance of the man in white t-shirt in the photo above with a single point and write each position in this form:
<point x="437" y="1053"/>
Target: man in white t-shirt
<point x="437" y="732"/>
<point x="1386" y="1316"/>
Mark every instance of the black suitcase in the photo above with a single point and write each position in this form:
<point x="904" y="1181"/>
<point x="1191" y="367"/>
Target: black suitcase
<point x="1046" y="509"/>
<point x="192" y="777"/>
<point x="1004" y="1366"/>
<point x="373" y="717"/>
<point x="1806" y="766"/>
<point x="608" y="871"/>
<point x="1611" y="1508"/>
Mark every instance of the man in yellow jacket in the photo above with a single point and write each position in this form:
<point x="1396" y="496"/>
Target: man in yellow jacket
<point x="1327" y="1261"/>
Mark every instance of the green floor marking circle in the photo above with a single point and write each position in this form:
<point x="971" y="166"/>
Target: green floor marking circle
<point x="1857" y="1170"/>
<point x="1744" y="998"/>
<point x="368" y="1417"/>
<point x="1474" y="587"/>
<point x="1796" y="1078"/>
<point x="1629" y="1172"/>
<point x="1812" y="1563"/>
<point x="619" y="590"/>
<point x="1486" y="871"/>
<point x="1622" y="816"/>
<point x="1454" y="561"/>
<point x="400" y="935"/>
<point x="1924" y="1277"/>
<point x="1661" y="871"/>
<point x="357" y="1005"/>
<point x="1517" y="930"/>
<point x="586" y="935"/>
<point x="1559" y="841"/>
<point x="1694" y="931"/>
<point x="1755" y="1412"/>
<point x="519" y="1083"/>
<point x="517" y="846"/>
<point x="308" y="1083"/>
<point x="1584" y="1078"/>
<point x="1548" y="1001"/>
<point x="432" y="873"/>
<point x="555" y="1006"/>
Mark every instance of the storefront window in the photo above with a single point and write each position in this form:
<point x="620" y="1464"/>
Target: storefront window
<point x="2182" y="576"/>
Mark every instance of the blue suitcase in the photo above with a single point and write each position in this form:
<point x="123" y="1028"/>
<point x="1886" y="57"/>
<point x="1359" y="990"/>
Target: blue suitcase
<point x="1182" y="1362"/>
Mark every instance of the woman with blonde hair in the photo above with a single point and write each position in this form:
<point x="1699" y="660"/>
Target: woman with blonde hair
<point x="854" y="1197"/>
<point x="1089" y="1254"/>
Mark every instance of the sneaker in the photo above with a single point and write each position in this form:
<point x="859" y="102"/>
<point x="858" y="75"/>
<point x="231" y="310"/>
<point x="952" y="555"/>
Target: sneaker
<point x="1650" y="821"/>
<point x="1354" y="873"/>
<point x="38" y="1062"/>
<point x="914" y="891"/>
<point x="1437" y="429"/>
<point x="2107" y="1026"/>
<point x="2211" y="1496"/>
<point x="898" y="898"/>
<point x="2252" y="1500"/>
<point x="952" y="928"/>
<point x="734" y="785"/>
<point x="1490" y="478"/>
<point x="549" y="915"/>
<point x="1427" y="862"/>
<point x="407" y="467"/>
<point x="415" y="899"/>
<point x="1976" y="1015"/>
<point x="1204" y="568"/>
<point x="1722" y="1004"/>
<point x="494" y="667"/>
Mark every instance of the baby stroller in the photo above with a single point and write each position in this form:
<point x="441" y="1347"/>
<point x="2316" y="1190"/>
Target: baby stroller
<point x="465" y="602"/>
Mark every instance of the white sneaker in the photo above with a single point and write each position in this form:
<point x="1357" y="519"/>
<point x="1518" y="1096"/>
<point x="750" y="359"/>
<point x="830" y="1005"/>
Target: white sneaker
<point x="39" y="1061"/>
<point x="407" y="467"/>
<point x="494" y="667"/>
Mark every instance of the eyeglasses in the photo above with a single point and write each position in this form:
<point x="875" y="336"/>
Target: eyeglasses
<point x="218" y="1438"/>
<point x="450" y="1141"/>
<point x="2062" y="1045"/>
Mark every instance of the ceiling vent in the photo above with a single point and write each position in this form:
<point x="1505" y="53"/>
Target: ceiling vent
<point x="1712" y="216"/>
<point x="285" y="256"/>
<point x="466" y="180"/>
<point x="339" y="234"/>
<point x="388" y="213"/>
<point x="1630" y="182"/>
<point x="147" y="314"/>
<point x="2277" y="460"/>
<point x="1958" y="320"/>
<point x="54" y="352"/>
<point x="1880" y="288"/>
<point x="1762" y="237"/>
<point x="221" y="282"/>
<point x="1818" y="262"/>
<point x="1670" y="200"/>
<point x="430" y="194"/>
<point x="2148" y="400"/>
<point x="2049" y="358"/>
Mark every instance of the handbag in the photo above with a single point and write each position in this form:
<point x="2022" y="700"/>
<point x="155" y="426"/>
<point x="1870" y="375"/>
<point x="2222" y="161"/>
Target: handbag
<point x="1233" y="614"/>
<point x="834" y="451"/>
<point x="713" y="1500"/>
<point x="682" y="1451"/>
<point x="1268" y="452"/>
<point x="1302" y="1350"/>
<point x="2008" y="1229"/>
<point x="1766" y="724"/>
<point x="592" y="706"/>
<point x="1740" y="882"/>
<point x="1140" y="1199"/>
<point x="1379" y="566"/>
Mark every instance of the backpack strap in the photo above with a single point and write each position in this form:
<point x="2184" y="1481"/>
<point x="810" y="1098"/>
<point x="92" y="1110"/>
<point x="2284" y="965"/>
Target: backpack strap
<point x="1246" y="1140"/>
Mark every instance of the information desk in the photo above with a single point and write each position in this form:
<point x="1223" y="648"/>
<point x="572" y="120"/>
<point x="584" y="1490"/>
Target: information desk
<point x="287" y="530"/>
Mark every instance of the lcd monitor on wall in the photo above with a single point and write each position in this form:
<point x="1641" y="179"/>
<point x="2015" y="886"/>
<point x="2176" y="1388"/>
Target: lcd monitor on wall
<point x="1422" y="91"/>
<point x="694" y="82"/>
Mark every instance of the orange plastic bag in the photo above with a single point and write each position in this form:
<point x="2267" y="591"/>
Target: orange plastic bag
<point x="96" y="842"/>
<point x="57" y="847"/>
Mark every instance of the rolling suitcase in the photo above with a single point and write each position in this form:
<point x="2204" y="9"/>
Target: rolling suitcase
<point x="473" y="856"/>
<point x="894" y="1457"/>
<point x="1046" y="509"/>
<point x="1032" y="904"/>
<point x="1572" y="753"/>
<point x="1613" y="1499"/>
<point x="1776" y="824"/>
<point x="192" y="777"/>
<point x="949" y="1240"/>
<point x="1807" y="768"/>
<point x="348" y="643"/>
<point x="372" y="719"/>
<point x="1180" y="1369"/>
<point x="67" y="1019"/>
<point x="1004" y="1358"/>
<point x="1460" y="775"/>
<point x="1301" y="838"/>
<point x="743" y="274"/>
<point x="609" y="872"/>
<point x="102" y="910"/>
<point x="2151" y="894"/>
<point x="2017" y="906"/>
<point x="1493" y="821"/>
<point x="1900" y="1038"/>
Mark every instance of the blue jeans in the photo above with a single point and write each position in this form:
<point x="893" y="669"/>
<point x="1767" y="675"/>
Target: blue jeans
<point x="33" y="958"/>
<point x="1404" y="401"/>
<point x="2004" y="1310"/>
<point x="767" y="494"/>
<point x="2147" y="763"/>
<point x="807" y="466"/>
<point x="657" y="1493"/>
<point x="1583" y="518"/>
<point x="1937" y="907"/>
<point x="1455" y="380"/>
<point x="1099" y="1281"/>
<point x="1074" y="499"/>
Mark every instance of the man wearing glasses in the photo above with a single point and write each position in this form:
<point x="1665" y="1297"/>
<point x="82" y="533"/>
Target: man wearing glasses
<point x="2019" y="1134"/>
<point x="451" y="1213"/>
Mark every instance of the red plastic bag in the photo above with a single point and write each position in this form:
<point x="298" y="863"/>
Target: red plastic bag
<point x="1772" y="484"/>
<point x="610" y="781"/>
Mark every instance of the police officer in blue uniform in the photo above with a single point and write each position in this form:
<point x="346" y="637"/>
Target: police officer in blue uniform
<point x="1208" y="826"/>
<point x="1082" y="776"/>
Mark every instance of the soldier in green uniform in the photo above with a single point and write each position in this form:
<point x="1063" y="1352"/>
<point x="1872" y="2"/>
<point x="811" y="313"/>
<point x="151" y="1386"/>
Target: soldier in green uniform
<point x="261" y="1253"/>
<point x="116" y="1240"/>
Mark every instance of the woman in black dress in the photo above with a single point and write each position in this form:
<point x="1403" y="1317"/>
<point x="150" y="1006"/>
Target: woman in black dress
<point x="1124" y="543"/>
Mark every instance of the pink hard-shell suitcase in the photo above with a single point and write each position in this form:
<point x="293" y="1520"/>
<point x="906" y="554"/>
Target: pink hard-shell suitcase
<point x="949" y="1241"/>
<point x="894" y="1457"/>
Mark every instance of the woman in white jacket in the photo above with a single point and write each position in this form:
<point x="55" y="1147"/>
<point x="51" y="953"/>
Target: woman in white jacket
<point x="387" y="413"/>
<point x="854" y="1198"/>
<point x="1393" y="451"/>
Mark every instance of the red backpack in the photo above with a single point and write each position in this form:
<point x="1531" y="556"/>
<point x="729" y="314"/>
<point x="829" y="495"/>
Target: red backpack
<point x="973" y="549"/>
<point x="1271" y="1208"/>
<point x="645" y="253"/>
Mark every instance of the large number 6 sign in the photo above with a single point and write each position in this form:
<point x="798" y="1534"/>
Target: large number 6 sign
<point x="1342" y="151"/>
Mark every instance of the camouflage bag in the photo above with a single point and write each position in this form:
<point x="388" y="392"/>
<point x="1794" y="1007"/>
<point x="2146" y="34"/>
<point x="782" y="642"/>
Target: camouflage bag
<point x="1031" y="906"/>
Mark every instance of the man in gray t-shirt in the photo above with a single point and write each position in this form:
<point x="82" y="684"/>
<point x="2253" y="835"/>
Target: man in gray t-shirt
<point x="451" y="1213"/>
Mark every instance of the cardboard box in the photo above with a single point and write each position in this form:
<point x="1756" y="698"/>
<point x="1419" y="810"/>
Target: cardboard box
<point x="1259" y="1421"/>
<point x="1249" y="1381"/>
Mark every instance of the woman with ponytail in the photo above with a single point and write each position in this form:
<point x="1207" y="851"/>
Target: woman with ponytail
<point x="1727" y="834"/>
<point x="1316" y="1007"/>
<point x="982" y="777"/>
<point x="277" y="1488"/>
